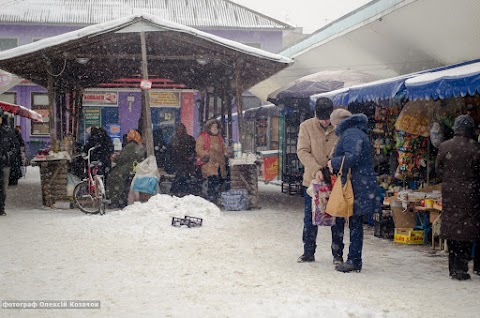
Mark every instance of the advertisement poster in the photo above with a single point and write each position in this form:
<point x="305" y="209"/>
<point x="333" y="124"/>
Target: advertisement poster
<point x="92" y="118"/>
<point x="114" y="131"/>
<point x="165" y="99"/>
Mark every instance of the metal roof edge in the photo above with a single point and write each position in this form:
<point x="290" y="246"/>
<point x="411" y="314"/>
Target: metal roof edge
<point x="350" y="20"/>
<point x="102" y="28"/>
<point x="284" y="24"/>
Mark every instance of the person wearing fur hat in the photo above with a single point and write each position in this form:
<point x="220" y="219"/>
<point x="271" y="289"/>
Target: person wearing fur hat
<point x="315" y="142"/>
<point x="211" y="151"/>
<point x="458" y="162"/>
<point x="354" y="148"/>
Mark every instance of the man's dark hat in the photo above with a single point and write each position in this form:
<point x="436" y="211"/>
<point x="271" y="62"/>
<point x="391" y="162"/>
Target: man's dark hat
<point x="323" y="108"/>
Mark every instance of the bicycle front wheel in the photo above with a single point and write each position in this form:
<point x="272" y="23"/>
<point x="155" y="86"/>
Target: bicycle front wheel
<point x="87" y="202"/>
<point x="101" y="193"/>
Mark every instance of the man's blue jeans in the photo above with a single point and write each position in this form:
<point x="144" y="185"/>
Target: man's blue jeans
<point x="309" y="230"/>
<point x="356" y="239"/>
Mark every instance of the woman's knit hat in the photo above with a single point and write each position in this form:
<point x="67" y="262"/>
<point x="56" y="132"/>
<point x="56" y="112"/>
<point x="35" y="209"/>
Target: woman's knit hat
<point x="338" y="115"/>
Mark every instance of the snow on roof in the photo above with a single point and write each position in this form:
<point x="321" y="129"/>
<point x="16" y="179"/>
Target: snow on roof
<point x="195" y="13"/>
<point x="118" y="24"/>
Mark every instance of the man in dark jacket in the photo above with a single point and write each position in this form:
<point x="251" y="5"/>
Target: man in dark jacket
<point x="458" y="162"/>
<point x="8" y="149"/>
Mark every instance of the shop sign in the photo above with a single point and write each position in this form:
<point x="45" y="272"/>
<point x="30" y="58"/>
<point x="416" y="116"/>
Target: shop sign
<point x="165" y="99"/>
<point x="100" y="99"/>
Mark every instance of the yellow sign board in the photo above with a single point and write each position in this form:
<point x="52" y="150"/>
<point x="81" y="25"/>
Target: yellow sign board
<point x="166" y="99"/>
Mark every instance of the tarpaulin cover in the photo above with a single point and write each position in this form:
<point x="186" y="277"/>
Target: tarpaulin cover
<point x="21" y="111"/>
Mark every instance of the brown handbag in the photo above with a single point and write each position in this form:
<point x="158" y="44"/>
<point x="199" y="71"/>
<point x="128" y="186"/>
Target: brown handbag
<point x="340" y="202"/>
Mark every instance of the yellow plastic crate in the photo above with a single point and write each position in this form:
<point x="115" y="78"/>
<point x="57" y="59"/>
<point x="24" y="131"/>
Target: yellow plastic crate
<point x="408" y="236"/>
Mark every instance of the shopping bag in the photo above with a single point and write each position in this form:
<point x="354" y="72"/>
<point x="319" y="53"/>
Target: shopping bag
<point x="146" y="177"/>
<point x="340" y="202"/>
<point x="320" y="193"/>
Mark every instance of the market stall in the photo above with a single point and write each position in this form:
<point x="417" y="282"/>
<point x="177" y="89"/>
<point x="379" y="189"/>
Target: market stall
<point x="409" y="117"/>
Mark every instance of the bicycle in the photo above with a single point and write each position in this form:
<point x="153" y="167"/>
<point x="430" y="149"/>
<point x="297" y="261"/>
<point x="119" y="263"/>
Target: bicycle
<point x="89" y="195"/>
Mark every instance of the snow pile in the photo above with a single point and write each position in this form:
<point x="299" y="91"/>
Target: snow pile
<point x="166" y="206"/>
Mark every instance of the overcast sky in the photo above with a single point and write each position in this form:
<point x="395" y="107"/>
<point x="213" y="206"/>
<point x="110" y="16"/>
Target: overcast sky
<point x="309" y="14"/>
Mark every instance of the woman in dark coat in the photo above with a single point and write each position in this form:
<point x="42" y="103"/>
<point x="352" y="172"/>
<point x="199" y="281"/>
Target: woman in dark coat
<point x="182" y="157"/>
<point x="354" y="145"/>
<point x="458" y="162"/>
<point x="118" y="183"/>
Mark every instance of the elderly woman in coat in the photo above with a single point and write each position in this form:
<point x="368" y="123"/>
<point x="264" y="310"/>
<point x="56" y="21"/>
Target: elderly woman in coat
<point x="354" y="145"/>
<point x="211" y="151"/>
<point x="458" y="162"/>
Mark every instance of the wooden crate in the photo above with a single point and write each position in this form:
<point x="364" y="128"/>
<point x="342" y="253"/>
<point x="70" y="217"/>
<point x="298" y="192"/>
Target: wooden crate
<point x="54" y="180"/>
<point x="245" y="176"/>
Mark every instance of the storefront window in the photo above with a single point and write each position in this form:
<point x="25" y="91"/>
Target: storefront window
<point x="40" y="105"/>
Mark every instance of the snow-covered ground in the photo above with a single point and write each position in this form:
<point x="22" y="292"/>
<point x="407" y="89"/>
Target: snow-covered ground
<point x="238" y="264"/>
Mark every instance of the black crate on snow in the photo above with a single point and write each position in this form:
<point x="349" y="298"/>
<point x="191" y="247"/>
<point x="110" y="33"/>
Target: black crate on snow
<point x="383" y="225"/>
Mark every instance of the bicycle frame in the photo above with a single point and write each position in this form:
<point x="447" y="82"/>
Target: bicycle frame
<point x="91" y="172"/>
<point x="94" y="189"/>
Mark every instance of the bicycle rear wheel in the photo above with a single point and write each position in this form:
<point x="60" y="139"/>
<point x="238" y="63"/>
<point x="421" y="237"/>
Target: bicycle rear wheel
<point x="87" y="202"/>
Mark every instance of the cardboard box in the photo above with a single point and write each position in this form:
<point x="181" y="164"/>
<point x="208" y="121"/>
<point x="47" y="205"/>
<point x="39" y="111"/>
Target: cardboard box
<point x="402" y="219"/>
<point x="434" y="215"/>
<point x="408" y="236"/>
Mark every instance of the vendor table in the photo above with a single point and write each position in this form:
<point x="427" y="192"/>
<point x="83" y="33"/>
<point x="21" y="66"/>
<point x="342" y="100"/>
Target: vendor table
<point x="423" y="220"/>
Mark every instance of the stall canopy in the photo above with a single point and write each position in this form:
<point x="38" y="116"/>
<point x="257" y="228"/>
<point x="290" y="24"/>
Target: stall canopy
<point x="453" y="82"/>
<point x="446" y="81"/>
<point x="104" y="52"/>
<point x="21" y="111"/>
<point x="320" y="82"/>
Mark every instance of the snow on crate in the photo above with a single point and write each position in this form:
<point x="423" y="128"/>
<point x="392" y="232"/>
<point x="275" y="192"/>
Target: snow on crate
<point x="166" y="206"/>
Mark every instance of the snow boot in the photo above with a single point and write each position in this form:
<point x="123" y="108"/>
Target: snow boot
<point x="337" y="260"/>
<point x="306" y="258"/>
<point x="348" y="267"/>
<point x="460" y="276"/>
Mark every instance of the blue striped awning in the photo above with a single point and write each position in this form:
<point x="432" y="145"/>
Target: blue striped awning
<point x="456" y="81"/>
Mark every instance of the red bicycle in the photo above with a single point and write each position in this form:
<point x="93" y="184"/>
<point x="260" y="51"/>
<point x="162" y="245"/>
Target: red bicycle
<point x="89" y="195"/>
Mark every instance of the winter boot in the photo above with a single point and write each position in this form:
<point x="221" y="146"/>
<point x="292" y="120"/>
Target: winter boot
<point x="306" y="258"/>
<point x="460" y="276"/>
<point x="348" y="267"/>
<point x="337" y="260"/>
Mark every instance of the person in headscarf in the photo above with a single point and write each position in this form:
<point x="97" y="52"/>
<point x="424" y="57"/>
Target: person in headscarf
<point x="182" y="157"/>
<point x="211" y="149"/>
<point x="121" y="175"/>
<point x="458" y="162"/>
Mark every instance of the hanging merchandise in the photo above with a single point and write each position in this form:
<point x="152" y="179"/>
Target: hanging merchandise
<point x="412" y="154"/>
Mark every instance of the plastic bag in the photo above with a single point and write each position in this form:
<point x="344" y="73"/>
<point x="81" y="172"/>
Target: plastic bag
<point x="320" y="193"/>
<point x="146" y="177"/>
